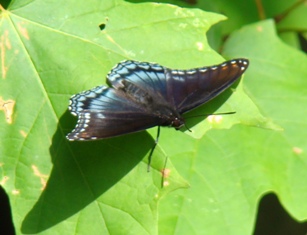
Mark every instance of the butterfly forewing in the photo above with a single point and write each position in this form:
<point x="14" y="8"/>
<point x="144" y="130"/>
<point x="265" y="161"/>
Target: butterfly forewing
<point x="149" y="77"/>
<point x="197" y="86"/>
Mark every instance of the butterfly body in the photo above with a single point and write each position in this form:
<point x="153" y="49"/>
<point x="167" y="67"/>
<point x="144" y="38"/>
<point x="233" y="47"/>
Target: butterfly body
<point x="145" y="95"/>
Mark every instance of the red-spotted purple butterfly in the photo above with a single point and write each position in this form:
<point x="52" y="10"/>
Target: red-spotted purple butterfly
<point x="145" y="95"/>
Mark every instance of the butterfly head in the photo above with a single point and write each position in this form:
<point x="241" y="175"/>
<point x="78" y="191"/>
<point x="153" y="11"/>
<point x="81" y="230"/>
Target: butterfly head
<point x="168" y="116"/>
<point x="177" y="122"/>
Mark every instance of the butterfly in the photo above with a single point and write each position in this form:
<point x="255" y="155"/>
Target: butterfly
<point x="144" y="95"/>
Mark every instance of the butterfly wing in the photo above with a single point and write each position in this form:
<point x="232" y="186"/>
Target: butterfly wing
<point x="150" y="77"/>
<point x="194" y="87"/>
<point x="105" y="112"/>
<point x="146" y="95"/>
<point x="181" y="89"/>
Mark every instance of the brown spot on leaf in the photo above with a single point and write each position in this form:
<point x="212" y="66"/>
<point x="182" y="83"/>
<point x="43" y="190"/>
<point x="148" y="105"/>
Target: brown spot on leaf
<point x="8" y="107"/>
<point x="259" y="29"/>
<point x="43" y="178"/>
<point x="4" y="179"/>
<point x="23" y="133"/>
<point x="166" y="172"/>
<point x="297" y="150"/>
<point x="23" y="31"/>
<point x="15" y="192"/>
<point x="214" y="118"/>
<point x="5" y="44"/>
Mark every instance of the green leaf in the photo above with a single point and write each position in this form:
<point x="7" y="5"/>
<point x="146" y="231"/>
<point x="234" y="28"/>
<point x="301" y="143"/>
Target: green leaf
<point x="51" y="51"/>
<point x="245" y="113"/>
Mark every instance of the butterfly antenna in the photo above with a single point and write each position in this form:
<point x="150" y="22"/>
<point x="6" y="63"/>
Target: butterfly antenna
<point x="152" y="149"/>
<point x="187" y="127"/>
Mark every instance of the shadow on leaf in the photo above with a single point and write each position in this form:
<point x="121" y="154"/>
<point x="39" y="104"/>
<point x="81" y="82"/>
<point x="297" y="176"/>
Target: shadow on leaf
<point x="83" y="171"/>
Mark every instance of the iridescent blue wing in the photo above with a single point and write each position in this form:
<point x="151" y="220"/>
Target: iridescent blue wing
<point x="149" y="77"/>
<point x="181" y="89"/>
<point x="105" y="112"/>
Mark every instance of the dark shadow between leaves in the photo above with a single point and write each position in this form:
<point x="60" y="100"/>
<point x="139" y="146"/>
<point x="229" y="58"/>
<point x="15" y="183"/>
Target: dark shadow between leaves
<point x="83" y="171"/>
<point x="6" y="221"/>
<point x="272" y="218"/>
<point x="5" y="3"/>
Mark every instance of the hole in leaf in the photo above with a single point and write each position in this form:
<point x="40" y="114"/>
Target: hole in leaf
<point x="102" y="26"/>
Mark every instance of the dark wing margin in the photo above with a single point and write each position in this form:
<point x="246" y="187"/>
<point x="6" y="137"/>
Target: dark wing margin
<point x="191" y="88"/>
<point x="105" y="112"/>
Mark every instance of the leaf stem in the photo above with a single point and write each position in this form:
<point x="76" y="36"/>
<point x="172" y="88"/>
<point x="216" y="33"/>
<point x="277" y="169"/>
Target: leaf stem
<point x="260" y="8"/>
<point x="283" y="15"/>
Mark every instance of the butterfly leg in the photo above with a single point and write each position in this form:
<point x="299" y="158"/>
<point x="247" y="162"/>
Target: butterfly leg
<point x="152" y="149"/>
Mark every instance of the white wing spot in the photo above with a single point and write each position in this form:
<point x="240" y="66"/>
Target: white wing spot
<point x="190" y="72"/>
<point x="100" y="115"/>
<point x="178" y="78"/>
<point x="175" y="72"/>
<point x="203" y="70"/>
<point x="91" y="94"/>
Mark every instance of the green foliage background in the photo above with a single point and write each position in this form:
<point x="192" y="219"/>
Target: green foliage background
<point x="53" y="49"/>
